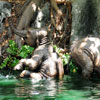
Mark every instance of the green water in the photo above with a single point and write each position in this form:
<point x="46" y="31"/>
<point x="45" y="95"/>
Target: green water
<point x="70" y="88"/>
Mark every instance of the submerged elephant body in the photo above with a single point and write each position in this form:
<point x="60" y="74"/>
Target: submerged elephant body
<point x="86" y="53"/>
<point x="43" y="64"/>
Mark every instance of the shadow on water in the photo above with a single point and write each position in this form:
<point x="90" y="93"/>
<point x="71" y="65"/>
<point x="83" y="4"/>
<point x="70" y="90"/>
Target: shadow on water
<point x="70" y="88"/>
<point x="81" y="89"/>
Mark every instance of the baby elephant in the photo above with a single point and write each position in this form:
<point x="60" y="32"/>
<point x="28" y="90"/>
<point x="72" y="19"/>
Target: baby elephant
<point x="86" y="53"/>
<point x="43" y="64"/>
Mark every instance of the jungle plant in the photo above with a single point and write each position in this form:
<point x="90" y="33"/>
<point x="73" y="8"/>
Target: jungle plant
<point x="15" y="54"/>
<point x="65" y="58"/>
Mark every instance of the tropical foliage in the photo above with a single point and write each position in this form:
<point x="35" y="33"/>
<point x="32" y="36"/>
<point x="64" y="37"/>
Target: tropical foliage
<point x="65" y="57"/>
<point x="15" y="54"/>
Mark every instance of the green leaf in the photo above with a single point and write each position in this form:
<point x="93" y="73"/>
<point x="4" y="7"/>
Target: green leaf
<point x="12" y="44"/>
<point x="65" y="58"/>
<point x="4" y="63"/>
<point x="25" y="51"/>
<point x="12" y="49"/>
<point x="73" y="67"/>
<point x="23" y="54"/>
<point x="56" y="49"/>
<point x="14" y="62"/>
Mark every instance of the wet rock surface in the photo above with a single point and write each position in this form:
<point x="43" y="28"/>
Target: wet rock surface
<point x="85" y="18"/>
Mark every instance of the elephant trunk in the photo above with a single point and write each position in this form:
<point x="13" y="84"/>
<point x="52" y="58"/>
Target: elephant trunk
<point x="21" y="33"/>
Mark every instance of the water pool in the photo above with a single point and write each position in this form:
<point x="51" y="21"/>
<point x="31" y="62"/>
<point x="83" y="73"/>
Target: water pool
<point x="70" y="88"/>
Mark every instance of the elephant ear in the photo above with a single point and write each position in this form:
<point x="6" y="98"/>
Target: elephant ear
<point x="60" y="68"/>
